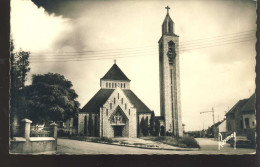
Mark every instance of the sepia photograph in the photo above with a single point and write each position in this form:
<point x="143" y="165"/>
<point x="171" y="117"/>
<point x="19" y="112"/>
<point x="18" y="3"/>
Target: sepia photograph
<point x="132" y="77"/>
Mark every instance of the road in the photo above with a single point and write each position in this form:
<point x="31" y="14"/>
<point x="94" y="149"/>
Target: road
<point x="208" y="146"/>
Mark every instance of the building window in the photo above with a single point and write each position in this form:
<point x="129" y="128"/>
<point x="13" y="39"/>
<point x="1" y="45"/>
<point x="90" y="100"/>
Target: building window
<point x="121" y="85"/>
<point x="253" y="123"/>
<point x="247" y="122"/>
<point x="122" y="101"/>
<point x="109" y="85"/>
<point x="112" y="85"/>
<point x="116" y="84"/>
<point x="169" y="27"/>
<point x="125" y="106"/>
<point x="107" y="112"/>
<point x="118" y="95"/>
<point x="129" y="111"/>
<point x="114" y="100"/>
<point x="106" y="84"/>
<point x="110" y="105"/>
<point x="124" y="85"/>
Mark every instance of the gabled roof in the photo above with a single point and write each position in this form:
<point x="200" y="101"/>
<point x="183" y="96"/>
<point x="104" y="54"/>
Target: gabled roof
<point x="237" y="106"/>
<point x="139" y="105"/>
<point x="93" y="106"/>
<point x="249" y="105"/>
<point x="115" y="73"/>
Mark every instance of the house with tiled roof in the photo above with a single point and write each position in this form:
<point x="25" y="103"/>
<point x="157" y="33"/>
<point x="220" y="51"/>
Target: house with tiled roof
<point x="241" y="117"/>
<point x="115" y="110"/>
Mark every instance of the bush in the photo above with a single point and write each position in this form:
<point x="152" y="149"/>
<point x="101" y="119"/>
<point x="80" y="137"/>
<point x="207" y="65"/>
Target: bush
<point x="106" y="139"/>
<point x="189" y="142"/>
<point x="250" y="134"/>
<point x="186" y="141"/>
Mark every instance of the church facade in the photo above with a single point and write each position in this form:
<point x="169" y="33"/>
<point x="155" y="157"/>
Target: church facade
<point x="115" y="111"/>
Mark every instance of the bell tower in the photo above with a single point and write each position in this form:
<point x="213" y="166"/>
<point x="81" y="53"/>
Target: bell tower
<point x="169" y="71"/>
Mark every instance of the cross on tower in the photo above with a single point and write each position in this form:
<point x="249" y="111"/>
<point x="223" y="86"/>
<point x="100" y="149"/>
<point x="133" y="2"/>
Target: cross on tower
<point x="168" y="8"/>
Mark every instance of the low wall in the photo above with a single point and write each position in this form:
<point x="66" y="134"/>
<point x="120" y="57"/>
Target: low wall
<point x="33" y="145"/>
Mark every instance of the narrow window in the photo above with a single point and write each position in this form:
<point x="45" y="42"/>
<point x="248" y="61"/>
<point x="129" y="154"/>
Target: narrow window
<point x="121" y="85"/>
<point x="107" y="112"/>
<point x="253" y="123"/>
<point x="124" y="85"/>
<point x="247" y="122"/>
<point x="125" y="106"/>
<point x="122" y="101"/>
<point x="129" y="111"/>
<point x="112" y="85"/>
<point x="118" y="95"/>
<point x="106" y="84"/>
<point x="116" y="84"/>
<point x="169" y="27"/>
<point x="110" y="105"/>
<point x="114" y="100"/>
<point x="109" y="85"/>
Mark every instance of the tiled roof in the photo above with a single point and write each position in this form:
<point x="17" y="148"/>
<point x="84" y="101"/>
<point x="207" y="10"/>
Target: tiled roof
<point x="93" y="106"/>
<point x="237" y="106"/>
<point x="138" y="104"/>
<point x="115" y="73"/>
<point x="249" y="105"/>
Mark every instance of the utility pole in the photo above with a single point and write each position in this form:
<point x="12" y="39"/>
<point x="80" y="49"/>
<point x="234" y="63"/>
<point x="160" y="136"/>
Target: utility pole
<point x="203" y="112"/>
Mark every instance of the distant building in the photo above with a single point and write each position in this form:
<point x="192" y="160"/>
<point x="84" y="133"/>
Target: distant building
<point x="241" y="117"/>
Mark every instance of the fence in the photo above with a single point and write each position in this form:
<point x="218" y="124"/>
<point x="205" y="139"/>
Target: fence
<point x="32" y="139"/>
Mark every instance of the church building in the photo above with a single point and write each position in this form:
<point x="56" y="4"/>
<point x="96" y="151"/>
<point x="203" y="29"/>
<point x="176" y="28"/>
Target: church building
<point x="116" y="111"/>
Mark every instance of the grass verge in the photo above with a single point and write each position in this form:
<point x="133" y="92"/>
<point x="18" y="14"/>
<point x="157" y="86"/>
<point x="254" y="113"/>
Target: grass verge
<point x="184" y="142"/>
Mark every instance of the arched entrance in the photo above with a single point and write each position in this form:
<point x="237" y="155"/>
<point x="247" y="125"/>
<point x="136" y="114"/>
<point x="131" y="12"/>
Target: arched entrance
<point x="119" y="122"/>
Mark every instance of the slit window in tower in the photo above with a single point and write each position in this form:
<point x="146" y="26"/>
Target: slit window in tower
<point x="110" y="106"/>
<point x="122" y="101"/>
<point x="112" y="85"/>
<point x="169" y="26"/>
<point x="114" y="100"/>
<point x="171" y="52"/>
<point x="109" y="85"/>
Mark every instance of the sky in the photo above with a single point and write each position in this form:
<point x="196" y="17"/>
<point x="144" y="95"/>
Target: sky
<point x="81" y="40"/>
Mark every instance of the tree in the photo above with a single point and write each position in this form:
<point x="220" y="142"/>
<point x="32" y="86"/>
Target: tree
<point x="96" y="128"/>
<point x="90" y="125"/>
<point x="145" y="129"/>
<point x="157" y="127"/>
<point x="151" y="128"/>
<point x="19" y="67"/>
<point x="50" y="97"/>
<point x="142" y="126"/>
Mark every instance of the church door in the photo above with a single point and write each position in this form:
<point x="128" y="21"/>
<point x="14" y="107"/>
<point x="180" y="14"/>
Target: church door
<point x="118" y="131"/>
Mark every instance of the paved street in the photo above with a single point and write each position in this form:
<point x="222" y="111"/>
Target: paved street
<point x="208" y="146"/>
